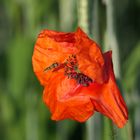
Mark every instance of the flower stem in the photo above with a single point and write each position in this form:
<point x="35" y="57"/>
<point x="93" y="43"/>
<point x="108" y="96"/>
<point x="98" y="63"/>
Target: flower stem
<point x="108" y="133"/>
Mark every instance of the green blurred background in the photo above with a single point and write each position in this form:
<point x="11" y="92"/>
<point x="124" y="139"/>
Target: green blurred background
<point x="114" y="24"/>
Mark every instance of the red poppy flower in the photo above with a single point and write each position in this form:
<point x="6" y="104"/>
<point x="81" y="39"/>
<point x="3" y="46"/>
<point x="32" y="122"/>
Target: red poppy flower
<point x="78" y="78"/>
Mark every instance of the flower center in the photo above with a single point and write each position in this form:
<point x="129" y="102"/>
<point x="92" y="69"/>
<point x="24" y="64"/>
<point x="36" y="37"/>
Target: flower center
<point x="71" y="70"/>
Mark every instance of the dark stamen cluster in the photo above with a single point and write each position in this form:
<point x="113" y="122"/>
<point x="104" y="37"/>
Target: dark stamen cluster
<point x="80" y="78"/>
<point x="71" y="62"/>
<point x="71" y="70"/>
<point x="83" y="79"/>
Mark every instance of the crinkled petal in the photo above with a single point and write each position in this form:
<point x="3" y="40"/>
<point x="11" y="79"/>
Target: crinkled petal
<point x="52" y="46"/>
<point x="106" y="98"/>
<point x="60" y="97"/>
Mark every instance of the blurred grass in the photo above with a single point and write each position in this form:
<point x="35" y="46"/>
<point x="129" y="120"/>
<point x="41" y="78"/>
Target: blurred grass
<point x="23" y="116"/>
<point x="132" y="67"/>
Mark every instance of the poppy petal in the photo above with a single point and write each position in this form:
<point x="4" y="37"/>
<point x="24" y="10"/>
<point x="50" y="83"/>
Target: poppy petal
<point x="106" y="97"/>
<point x="64" y="103"/>
<point x="52" y="46"/>
<point x="111" y="100"/>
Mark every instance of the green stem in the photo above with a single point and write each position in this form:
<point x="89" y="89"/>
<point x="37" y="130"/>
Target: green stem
<point x="95" y="21"/>
<point x="83" y="14"/>
<point x="108" y="133"/>
<point x="67" y="10"/>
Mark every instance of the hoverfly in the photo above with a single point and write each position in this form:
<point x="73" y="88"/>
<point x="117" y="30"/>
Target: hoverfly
<point x="54" y="65"/>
